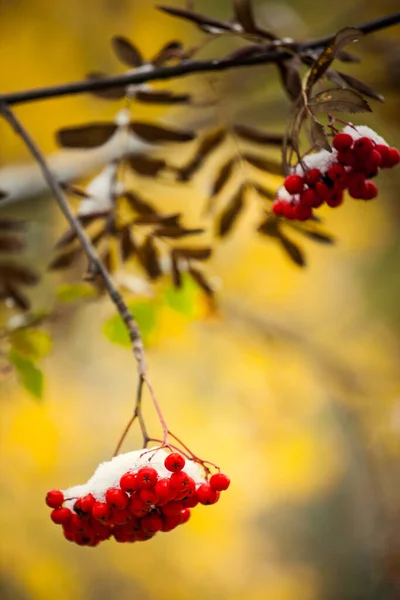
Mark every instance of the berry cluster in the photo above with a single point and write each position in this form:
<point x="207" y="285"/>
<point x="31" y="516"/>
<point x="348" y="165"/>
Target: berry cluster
<point x="357" y="156"/>
<point x="134" y="496"/>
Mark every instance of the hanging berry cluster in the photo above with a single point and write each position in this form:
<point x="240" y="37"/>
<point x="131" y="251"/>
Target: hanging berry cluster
<point x="357" y="156"/>
<point x="134" y="496"/>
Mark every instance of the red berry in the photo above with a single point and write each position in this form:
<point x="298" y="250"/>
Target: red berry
<point x="171" y="522"/>
<point x="372" y="162"/>
<point x="347" y="157"/>
<point x="308" y="198"/>
<point x="54" y="498"/>
<point x="342" y="142"/>
<point x="143" y="536"/>
<point x="101" y="511"/>
<point x="294" y="184"/>
<point x="146" y="477"/>
<point x="172" y="508"/>
<point x="61" y="516"/>
<point x="384" y="152"/>
<point x="356" y="185"/>
<point x="148" y="496"/>
<point x="185" y="515"/>
<point x="128" y="483"/>
<point x="363" y="147"/>
<point x="122" y="537"/>
<point x="190" y="501"/>
<point x="152" y="523"/>
<point x="335" y="199"/>
<point x="312" y="176"/>
<point x="206" y="495"/>
<point x="180" y="481"/>
<point x="117" y="498"/>
<point x="289" y="211"/>
<point x="219" y="482"/>
<point x="120" y="517"/>
<point x="393" y="158"/>
<point x="337" y="172"/>
<point x="322" y="191"/>
<point x="278" y="208"/>
<point x="174" y="462"/>
<point x="163" y="491"/>
<point x="303" y="212"/>
<point x="370" y="191"/>
<point x="87" y="503"/>
<point x="137" y="507"/>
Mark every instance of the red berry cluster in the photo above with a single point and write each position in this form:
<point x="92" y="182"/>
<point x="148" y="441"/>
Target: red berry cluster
<point x="141" y="505"/>
<point x="354" y="161"/>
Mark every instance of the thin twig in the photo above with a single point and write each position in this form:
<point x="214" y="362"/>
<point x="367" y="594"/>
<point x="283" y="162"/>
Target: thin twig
<point x="96" y="267"/>
<point x="187" y="67"/>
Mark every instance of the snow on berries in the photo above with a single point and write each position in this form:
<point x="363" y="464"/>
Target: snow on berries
<point x="357" y="156"/>
<point x="133" y="497"/>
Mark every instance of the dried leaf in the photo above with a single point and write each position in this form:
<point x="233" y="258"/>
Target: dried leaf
<point x="360" y="86"/>
<point x="171" y="50"/>
<point x="175" y="232"/>
<point x="127" y="244"/>
<point x="12" y="225"/>
<point x="157" y="219"/>
<point x="323" y="62"/>
<point x="270" y="166"/>
<point x="126" y="51"/>
<point x="289" y="71"/>
<point x="267" y="193"/>
<point x="207" y="145"/>
<point x="149" y="258"/>
<point x="338" y="100"/>
<point x="318" y="136"/>
<point x="293" y="251"/>
<point x="86" y="136"/>
<point x="139" y="205"/>
<point x="270" y="226"/>
<point x="175" y="272"/>
<point x="11" y="244"/>
<point x="251" y="134"/>
<point x="203" y="253"/>
<point x="73" y="189"/>
<point x="243" y="12"/>
<point x="112" y="93"/>
<point x="162" y="97"/>
<point x="146" y="166"/>
<point x="201" y="281"/>
<point x="17" y="274"/>
<point x="244" y="52"/>
<point x="65" y="260"/>
<point x="309" y="231"/>
<point x="223" y="176"/>
<point x="19" y="299"/>
<point x="156" y="134"/>
<point x="205" y="23"/>
<point x="231" y="212"/>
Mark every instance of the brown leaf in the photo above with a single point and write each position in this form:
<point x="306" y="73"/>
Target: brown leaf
<point x="207" y="145"/>
<point x="318" y="136"/>
<point x="269" y="226"/>
<point x="65" y="260"/>
<point x="293" y="251"/>
<point x="73" y="189"/>
<point x="70" y="235"/>
<point x="171" y="50"/>
<point x="243" y="12"/>
<point x="268" y="165"/>
<point x="251" y="134"/>
<point x="201" y="281"/>
<point x="146" y="166"/>
<point x="17" y="274"/>
<point x="205" y="23"/>
<point x="162" y="97"/>
<point x="310" y="231"/>
<point x="323" y="62"/>
<point x="223" y="176"/>
<point x="244" y="52"/>
<point x="19" y="299"/>
<point x="289" y="71"/>
<point x="111" y="93"/>
<point x="231" y="212"/>
<point x="126" y="51"/>
<point x="156" y="134"/>
<point x="139" y="205"/>
<point x="203" y="253"/>
<point x="11" y="244"/>
<point x="175" y="232"/>
<point x="149" y="258"/>
<point x="338" y="100"/>
<point x="175" y="272"/>
<point x="127" y="244"/>
<point x="3" y="195"/>
<point x="267" y="193"/>
<point x="360" y="86"/>
<point x="12" y="225"/>
<point x="86" y="136"/>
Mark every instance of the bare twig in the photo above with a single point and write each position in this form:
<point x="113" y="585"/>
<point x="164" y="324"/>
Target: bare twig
<point x="187" y="67"/>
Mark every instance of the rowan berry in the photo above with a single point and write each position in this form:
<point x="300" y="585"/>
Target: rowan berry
<point x="137" y="507"/>
<point x="172" y="508"/>
<point x="370" y="191"/>
<point x="322" y="191"/>
<point x="174" y="462"/>
<point x="146" y="478"/>
<point x="54" y="498"/>
<point x="152" y="523"/>
<point x="393" y="158"/>
<point x="308" y="198"/>
<point x="120" y="517"/>
<point x="206" y="495"/>
<point x="372" y="162"/>
<point x="342" y="142"/>
<point x="384" y="152"/>
<point x="171" y="522"/>
<point x="101" y="511"/>
<point x="148" y="496"/>
<point x="185" y="515"/>
<point x="363" y="147"/>
<point x="117" y="498"/>
<point x="87" y="503"/>
<point x="278" y="208"/>
<point x="190" y="501"/>
<point x="219" y="482"/>
<point x="128" y="483"/>
<point x="164" y="491"/>
<point x="180" y="481"/>
<point x="302" y="213"/>
<point x="61" y="516"/>
<point x="335" y="199"/>
<point x="312" y="176"/>
<point x="337" y="172"/>
<point x="294" y="184"/>
<point x="347" y="157"/>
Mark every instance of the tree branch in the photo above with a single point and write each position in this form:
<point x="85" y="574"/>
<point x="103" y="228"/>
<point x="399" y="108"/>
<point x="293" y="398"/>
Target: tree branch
<point x="185" y="68"/>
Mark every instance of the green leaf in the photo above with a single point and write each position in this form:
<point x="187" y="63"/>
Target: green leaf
<point x="29" y="375"/>
<point x="31" y="343"/>
<point x="75" y="291"/>
<point x="183" y="299"/>
<point x="146" y="317"/>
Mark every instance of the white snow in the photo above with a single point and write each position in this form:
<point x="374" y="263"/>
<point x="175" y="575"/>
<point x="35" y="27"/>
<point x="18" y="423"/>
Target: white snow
<point x="108" y="474"/>
<point x="100" y="191"/>
<point x="363" y="130"/>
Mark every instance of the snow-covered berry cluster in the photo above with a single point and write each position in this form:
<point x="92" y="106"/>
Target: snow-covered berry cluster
<point x="134" y="496"/>
<point x="357" y="156"/>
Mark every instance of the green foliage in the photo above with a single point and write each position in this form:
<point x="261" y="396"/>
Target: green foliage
<point x="183" y="299"/>
<point x="29" y="374"/>
<point x="31" y="343"/>
<point x="145" y="314"/>
<point x="75" y="291"/>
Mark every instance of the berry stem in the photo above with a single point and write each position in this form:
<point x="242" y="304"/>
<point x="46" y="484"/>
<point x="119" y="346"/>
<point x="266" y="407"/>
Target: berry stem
<point x="137" y="414"/>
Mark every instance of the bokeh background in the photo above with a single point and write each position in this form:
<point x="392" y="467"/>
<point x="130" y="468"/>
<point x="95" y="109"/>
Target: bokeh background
<point x="294" y="389"/>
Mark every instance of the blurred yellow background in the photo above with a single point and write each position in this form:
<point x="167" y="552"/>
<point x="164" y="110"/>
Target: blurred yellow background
<point x="294" y="391"/>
